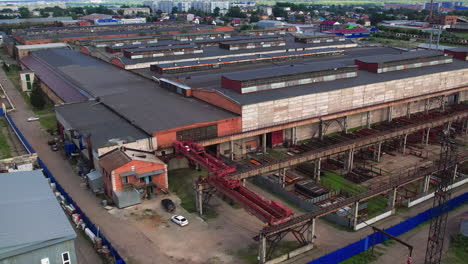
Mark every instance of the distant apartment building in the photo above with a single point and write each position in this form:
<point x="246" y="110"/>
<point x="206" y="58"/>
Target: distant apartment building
<point x="185" y="6"/>
<point x="182" y="6"/>
<point x="222" y="5"/>
<point x="165" y="6"/>
<point x="131" y="11"/>
<point x="405" y="6"/>
<point x="204" y="6"/>
<point x="268" y="10"/>
<point x="243" y="4"/>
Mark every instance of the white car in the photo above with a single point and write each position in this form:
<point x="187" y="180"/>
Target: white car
<point x="33" y="118"/>
<point x="180" y="220"/>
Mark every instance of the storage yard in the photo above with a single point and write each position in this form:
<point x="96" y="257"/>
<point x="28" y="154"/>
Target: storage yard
<point x="297" y="135"/>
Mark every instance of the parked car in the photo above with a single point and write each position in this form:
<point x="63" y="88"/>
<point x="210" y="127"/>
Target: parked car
<point x="54" y="147"/>
<point x="33" y="118"/>
<point x="180" y="220"/>
<point x="168" y="204"/>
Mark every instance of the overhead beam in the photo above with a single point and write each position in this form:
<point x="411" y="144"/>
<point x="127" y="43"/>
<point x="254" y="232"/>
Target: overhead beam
<point x="351" y="144"/>
<point x="256" y="132"/>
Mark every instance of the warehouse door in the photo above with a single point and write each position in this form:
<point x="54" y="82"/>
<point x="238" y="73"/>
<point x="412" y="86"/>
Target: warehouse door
<point x="275" y="139"/>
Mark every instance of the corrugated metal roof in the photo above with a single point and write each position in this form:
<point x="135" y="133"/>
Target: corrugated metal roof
<point x="141" y="102"/>
<point x="211" y="81"/>
<point x="34" y="20"/>
<point x="100" y="122"/>
<point x="458" y="49"/>
<point x="383" y="58"/>
<point x="63" y="88"/>
<point x="126" y="197"/>
<point x="41" y="46"/>
<point x="247" y="41"/>
<point x="278" y="71"/>
<point x="30" y="214"/>
<point x="162" y="48"/>
<point x="241" y="58"/>
<point x="113" y="160"/>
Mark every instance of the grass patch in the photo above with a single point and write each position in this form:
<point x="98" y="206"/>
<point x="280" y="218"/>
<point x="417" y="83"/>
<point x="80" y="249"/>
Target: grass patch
<point x="4" y="147"/>
<point x="335" y="181"/>
<point x="458" y="250"/>
<point x="181" y="182"/>
<point x="376" y="205"/>
<point x="49" y="123"/>
<point x="249" y="255"/>
<point x="277" y="154"/>
<point x="388" y="242"/>
<point x="363" y="258"/>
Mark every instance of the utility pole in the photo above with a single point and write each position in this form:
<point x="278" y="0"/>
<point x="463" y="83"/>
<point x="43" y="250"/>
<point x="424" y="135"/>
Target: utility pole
<point x="435" y="242"/>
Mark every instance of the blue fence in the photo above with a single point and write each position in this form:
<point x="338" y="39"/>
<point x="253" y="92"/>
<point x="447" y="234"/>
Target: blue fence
<point x="396" y="230"/>
<point x="67" y="197"/>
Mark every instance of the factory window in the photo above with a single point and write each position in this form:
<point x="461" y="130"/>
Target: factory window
<point x="198" y="133"/>
<point x="66" y="258"/>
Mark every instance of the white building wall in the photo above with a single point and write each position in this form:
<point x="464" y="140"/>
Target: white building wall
<point x="314" y="105"/>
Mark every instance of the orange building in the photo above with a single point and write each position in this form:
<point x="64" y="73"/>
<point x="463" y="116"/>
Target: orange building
<point x="130" y="174"/>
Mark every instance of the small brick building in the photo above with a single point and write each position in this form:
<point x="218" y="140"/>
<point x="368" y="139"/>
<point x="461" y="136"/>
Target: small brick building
<point x="130" y="174"/>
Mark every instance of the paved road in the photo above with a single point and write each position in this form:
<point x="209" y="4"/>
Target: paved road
<point x="397" y="253"/>
<point x="327" y="242"/>
<point x="130" y="242"/>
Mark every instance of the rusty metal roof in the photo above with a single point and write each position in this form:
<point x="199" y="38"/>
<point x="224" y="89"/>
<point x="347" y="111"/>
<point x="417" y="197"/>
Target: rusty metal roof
<point x="113" y="160"/>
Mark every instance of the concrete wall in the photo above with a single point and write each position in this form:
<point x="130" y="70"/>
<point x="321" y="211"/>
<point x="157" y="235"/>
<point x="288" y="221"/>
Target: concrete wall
<point x="360" y="120"/>
<point x="239" y="146"/>
<point x="53" y="252"/>
<point x="313" y="105"/>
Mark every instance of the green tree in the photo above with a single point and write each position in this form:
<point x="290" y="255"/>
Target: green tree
<point x="216" y="12"/>
<point x="235" y="11"/>
<point x="175" y="10"/>
<point x="24" y="12"/>
<point x="37" y="97"/>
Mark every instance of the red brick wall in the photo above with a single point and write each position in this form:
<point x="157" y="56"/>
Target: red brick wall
<point x="117" y="63"/>
<point x="228" y="126"/>
<point x="217" y="99"/>
<point x="140" y="168"/>
<point x="85" y="50"/>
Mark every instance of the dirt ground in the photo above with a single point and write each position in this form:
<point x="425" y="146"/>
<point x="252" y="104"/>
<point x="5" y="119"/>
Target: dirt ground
<point x="213" y="241"/>
<point x="396" y="253"/>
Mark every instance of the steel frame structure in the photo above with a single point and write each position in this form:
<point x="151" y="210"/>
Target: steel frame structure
<point x="435" y="241"/>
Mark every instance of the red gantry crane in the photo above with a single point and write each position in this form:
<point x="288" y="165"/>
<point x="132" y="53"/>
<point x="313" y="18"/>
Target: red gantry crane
<point x="268" y="211"/>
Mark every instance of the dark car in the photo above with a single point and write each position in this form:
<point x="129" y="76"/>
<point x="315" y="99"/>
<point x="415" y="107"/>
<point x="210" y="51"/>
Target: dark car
<point x="168" y="205"/>
<point x="54" y="147"/>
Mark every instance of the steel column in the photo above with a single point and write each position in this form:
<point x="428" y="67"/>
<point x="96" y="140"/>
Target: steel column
<point x="349" y="160"/>
<point x="262" y="250"/>
<point x="408" y="110"/>
<point x="199" y="198"/>
<point x="368" y="119"/>
<point x="426" y="105"/>
<point x="317" y="169"/>
<point x="390" y="113"/>
<point x="321" y="129"/>
<point x="442" y="103"/>
<point x="392" y="200"/>
<point x="345" y="125"/>
<point x="311" y="232"/>
<point x="427" y="136"/>
<point x="425" y="184"/>
<point x="355" y="214"/>
<point x="404" y="143"/>
<point x="232" y="149"/>
<point x="264" y="143"/>
<point x="379" y="150"/>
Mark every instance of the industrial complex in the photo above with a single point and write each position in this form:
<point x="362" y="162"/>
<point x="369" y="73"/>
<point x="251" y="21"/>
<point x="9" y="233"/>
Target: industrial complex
<point x="270" y="110"/>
